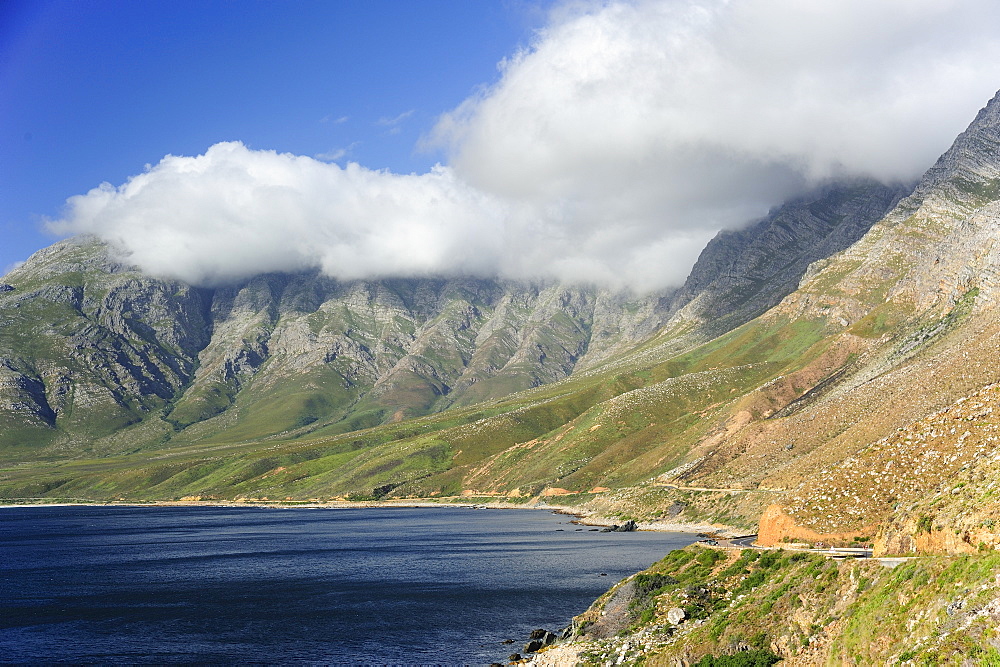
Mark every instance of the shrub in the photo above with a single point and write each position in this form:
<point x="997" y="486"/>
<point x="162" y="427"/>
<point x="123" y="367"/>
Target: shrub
<point x="647" y="585"/>
<point x="753" y="581"/>
<point x="709" y="557"/>
<point x="769" y="559"/>
<point x="753" y="658"/>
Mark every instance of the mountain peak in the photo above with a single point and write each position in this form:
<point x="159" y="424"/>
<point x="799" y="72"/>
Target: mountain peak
<point x="967" y="175"/>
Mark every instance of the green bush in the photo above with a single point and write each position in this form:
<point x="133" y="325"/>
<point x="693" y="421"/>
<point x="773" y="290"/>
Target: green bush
<point x="752" y="658"/>
<point x="739" y="566"/>
<point x="769" y="559"/>
<point x="647" y="585"/>
<point x="709" y="557"/>
<point x="678" y="557"/>
<point x="753" y="581"/>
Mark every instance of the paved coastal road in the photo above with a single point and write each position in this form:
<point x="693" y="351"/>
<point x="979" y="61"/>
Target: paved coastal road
<point x="745" y="542"/>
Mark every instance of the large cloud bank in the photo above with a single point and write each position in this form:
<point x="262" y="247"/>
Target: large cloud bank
<point x="610" y="151"/>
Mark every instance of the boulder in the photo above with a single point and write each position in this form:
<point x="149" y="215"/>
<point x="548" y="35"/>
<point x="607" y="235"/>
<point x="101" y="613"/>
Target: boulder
<point x="676" y="615"/>
<point x="539" y="638"/>
<point x="626" y="527"/>
<point x="533" y="645"/>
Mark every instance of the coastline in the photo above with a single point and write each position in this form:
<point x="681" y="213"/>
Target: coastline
<point x="582" y="517"/>
<point x="555" y="655"/>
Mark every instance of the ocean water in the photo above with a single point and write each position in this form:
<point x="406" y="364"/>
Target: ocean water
<point x="324" y="586"/>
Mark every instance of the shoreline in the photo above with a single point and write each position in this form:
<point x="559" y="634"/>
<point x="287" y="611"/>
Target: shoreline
<point x="582" y="517"/>
<point x="555" y="655"/>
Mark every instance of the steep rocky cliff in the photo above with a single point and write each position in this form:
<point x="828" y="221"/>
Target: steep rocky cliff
<point x="743" y="273"/>
<point x="89" y="346"/>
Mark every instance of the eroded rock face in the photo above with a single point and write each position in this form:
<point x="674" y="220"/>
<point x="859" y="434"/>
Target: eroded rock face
<point x="613" y="616"/>
<point x="87" y="347"/>
<point x="741" y="274"/>
<point x="777" y="527"/>
<point x="935" y="246"/>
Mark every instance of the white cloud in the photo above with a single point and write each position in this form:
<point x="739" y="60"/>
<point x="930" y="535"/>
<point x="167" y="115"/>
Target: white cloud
<point x="395" y="124"/>
<point x="689" y="113"/>
<point x="234" y="212"/>
<point x="611" y="150"/>
<point x="337" y="153"/>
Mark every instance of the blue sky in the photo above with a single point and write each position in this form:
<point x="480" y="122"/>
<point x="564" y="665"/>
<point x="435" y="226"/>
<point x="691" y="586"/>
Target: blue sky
<point x="94" y="90"/>
<point x="599" y="141"/>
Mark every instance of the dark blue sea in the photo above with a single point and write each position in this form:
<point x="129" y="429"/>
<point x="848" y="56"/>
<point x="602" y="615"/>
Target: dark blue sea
<point x="270" y="585"/>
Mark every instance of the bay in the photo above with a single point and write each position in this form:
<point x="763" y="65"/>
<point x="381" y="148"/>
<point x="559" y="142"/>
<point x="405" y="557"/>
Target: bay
<point x="296" y="585"/>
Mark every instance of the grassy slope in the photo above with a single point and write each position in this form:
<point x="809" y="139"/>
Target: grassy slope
<point x="612" y="428"/>
<point x="807" y="609"/>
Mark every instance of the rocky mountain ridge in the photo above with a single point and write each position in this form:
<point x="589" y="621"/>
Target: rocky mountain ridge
<point x="848" y="394"/>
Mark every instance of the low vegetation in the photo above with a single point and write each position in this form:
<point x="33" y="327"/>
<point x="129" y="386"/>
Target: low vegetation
<point x="756" y="607"/>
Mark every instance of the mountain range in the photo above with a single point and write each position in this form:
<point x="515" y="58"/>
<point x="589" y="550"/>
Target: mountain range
<point x="827" y="372"/>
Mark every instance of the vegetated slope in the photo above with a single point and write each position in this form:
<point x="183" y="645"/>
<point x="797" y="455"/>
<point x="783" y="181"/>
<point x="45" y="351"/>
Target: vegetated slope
<point x="802" y="608"/>
<point x="90" y="346"/>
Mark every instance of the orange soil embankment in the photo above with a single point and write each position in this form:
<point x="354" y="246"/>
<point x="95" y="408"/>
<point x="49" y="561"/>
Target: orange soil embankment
<point x="776" y="527"/>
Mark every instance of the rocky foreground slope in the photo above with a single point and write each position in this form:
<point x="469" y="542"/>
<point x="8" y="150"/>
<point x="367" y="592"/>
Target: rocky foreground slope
<point x="710" y="607"/>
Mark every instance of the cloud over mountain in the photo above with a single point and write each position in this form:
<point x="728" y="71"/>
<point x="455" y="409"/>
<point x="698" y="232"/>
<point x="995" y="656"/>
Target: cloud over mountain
<point x="234" y="212"/>
<point x="610" y="150"/>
